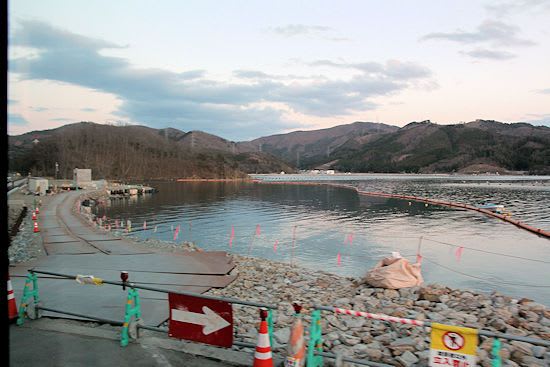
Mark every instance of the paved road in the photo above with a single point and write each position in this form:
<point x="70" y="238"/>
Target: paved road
<point x="32" y="347"/>
<point x="75" y="247"/>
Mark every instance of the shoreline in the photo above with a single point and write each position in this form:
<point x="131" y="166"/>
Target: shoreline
<point x="274" y="282"/>
<point x="263" y="280"/>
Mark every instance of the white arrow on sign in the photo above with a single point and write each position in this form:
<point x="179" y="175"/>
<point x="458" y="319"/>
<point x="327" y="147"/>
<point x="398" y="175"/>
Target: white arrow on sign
<point x="211" y="321"/>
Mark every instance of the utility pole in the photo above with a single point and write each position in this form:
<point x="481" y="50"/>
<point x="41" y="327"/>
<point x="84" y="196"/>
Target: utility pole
<point x="56" y="175"/>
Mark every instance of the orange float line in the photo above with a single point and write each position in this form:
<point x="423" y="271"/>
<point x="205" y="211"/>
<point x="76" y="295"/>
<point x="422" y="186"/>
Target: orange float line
<point x="538" y="231"/>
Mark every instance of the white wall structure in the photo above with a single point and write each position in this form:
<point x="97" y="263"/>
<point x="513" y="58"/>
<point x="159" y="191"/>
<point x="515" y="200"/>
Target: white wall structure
<point x="82" y="176"/>
<point x="38" y="185"/>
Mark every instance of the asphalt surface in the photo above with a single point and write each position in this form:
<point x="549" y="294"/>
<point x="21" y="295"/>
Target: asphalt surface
<point x="33" y="347"/>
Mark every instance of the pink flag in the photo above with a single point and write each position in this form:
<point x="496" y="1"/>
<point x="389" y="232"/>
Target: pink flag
<point x="232" y="236"/>
<point x="339" y="259"/>
<point x="458" y="253"/>
<point x="144" y="224"/>
<point x="258" y="231"/>
<point x="176" y="233"/>
<point x="350" y="239"/>
<point x="275" y="246"/>
<point x="418" y="259"/>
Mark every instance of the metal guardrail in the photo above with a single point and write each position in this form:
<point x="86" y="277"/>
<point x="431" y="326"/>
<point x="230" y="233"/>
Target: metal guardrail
<point x="315" y="351"/>
<point x="315" y="346"/>
<point x="131" y="312"/>
<point x="388" y="318"/>
<point x="162" y="290"/>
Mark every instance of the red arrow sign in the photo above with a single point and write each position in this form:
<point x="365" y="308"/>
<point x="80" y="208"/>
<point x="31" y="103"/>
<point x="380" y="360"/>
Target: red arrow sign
<point x="201" y="320"/>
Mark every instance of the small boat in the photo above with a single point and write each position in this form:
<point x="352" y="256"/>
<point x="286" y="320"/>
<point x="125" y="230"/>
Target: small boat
<point x="492" y="207"/>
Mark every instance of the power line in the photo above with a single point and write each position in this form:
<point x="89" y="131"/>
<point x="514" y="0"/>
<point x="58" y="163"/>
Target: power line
<point x="491" y="281"/>
<point x="488" y="252"/>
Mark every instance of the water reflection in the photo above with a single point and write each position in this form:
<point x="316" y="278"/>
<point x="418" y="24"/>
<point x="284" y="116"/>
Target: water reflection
<point x="325" y="217"/>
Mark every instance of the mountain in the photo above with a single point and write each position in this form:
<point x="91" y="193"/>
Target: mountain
<point x="426" y="147"/>
<point x="309" y="148"/>
<point x="134" y="152"/>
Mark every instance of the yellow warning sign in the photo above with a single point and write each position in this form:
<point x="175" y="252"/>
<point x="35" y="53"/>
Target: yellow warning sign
<point x="452" y="346"/>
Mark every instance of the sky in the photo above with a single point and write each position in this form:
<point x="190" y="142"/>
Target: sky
<point x="245" y="69"/>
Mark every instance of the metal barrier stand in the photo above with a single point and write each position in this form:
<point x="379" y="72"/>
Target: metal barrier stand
<point x="130" y="312"/>
<point x="133" y="298"/>
<point x="27" y="293"/>
<point x="315" y="341"/>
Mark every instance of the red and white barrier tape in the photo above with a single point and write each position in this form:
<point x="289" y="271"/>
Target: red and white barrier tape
<point x="380" y="317"/>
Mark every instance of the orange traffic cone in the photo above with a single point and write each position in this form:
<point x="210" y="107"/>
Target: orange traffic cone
<point x="36" y="227"/>
<point x="12" y="306"/>
<point x="296" y="345"/>
<point x="262" y="357"/>
<point x="33" y="215"/>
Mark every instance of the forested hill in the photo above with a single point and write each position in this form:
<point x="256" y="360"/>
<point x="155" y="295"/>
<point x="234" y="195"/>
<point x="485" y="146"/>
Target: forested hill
<point x="424" y="147"/>
<point x="476" y="146"/>
<point x="123" y="152"/>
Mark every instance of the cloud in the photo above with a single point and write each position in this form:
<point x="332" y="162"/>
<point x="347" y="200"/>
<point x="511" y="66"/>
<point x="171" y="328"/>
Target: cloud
<point x="489" y="54"/>
<point x="192" y="74"/>
<point x="392" y="68"/>
<point x="16" y="119"/>
<point x="252" y="74"/>
<point x="38" y="109"/>
<point x="317" y="31"/>
<point x="62" y="119"/>
<point x="88" y="109"/>
<point x="543" y="91"/>
<point x="503" y="8"/>
<point x="540" y="119"/>
<point x="256" y="103"/>
<point x="490" y="31"/>
<point x="292" y="30"/>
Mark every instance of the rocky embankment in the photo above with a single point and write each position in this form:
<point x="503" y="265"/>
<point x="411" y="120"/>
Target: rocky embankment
<point x="395" y="344"/>
<point x="25" y="245"/>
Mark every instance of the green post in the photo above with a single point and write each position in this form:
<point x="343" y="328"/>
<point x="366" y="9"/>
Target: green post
<point x="27" y="293"/>
<point x="131" y="311"/>
<point x="270" y="326"/>
<point x="495" y="352"/>
<point x="315" y="341"/>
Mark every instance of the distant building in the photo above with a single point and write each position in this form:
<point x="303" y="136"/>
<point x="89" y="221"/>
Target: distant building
<point x="36" y="141"/>
<point x="82" y="177"/>
<point x="330" y="171"/>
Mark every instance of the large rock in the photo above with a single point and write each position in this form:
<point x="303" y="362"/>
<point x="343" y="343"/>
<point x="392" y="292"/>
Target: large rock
<point x="432" y="294"/>
<point x="282" y="335"/>
<point x="407" y="359"/>
<point x="349" y="340"/>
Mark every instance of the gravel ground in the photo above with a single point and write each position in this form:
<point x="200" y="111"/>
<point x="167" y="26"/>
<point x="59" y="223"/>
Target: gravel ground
<point x="395" y="344"/>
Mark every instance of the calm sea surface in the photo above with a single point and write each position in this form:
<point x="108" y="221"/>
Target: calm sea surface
<point x="310" y="225"/>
